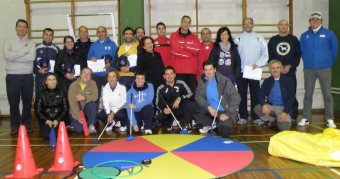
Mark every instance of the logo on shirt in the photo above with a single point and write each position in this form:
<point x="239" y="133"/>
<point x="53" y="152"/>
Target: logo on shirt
<point x="107" y="48"/>
<point x="283" y="48"/>
<point x="41" y="51"/>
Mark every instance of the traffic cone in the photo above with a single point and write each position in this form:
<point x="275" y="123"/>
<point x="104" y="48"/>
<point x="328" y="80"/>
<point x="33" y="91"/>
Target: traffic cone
<point x="24" y="164"/>
<point x="63" y="158"/>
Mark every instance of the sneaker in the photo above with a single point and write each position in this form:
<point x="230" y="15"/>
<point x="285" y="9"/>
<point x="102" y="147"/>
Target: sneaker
<point x="303" y="122"/>
<point x="193" y="123"/>
<point x="188" y="128"/>
<point x="92" y="129"/>
<point x="69" y="126"/>
<point x="205" y="129"/>
<point x="268" y="124"/>
<point x="258" y="122"/>
<point x="123" y="129"/>
<point x="169" y="128"/>
<point x="330" y="123"/>
<point x="214" y="125"/>
<point x="242" y="122"/>
<point x="118" y="124"/>
<point x="110" y="126"/>
<point x="148" y="131"/>
<point x="174" y="123"/>
<point x="142" y="128"/>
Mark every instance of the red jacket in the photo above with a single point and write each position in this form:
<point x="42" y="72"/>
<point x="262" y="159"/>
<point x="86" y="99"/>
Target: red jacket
<point x="184" y="52"/>
<point x="203" y="56"/>
<point x="162" y="46"/>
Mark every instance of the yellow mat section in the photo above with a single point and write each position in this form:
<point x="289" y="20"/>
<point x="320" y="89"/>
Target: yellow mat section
<point x="170" y="142"/>
<point x="169" y="166"/>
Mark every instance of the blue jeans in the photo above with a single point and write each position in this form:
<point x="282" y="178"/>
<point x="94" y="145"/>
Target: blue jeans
<point x="120" y="115"/>
<point x="90" y="113"/>
<point x="16" y="86"/>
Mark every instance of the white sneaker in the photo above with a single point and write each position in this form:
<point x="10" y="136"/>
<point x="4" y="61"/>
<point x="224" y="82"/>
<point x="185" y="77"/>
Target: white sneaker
<point x="174" y="123"/>
<point x="123" y="129"/>
<point x="118" y="124"/>
<point x="148" y="131"/>
<point x="193" y="123"/>
<point x="258" y="122"/>
<point x="205" y="129"/>
<point x="110" y="126"/>
<point x="92" y="129"/>
<point x="169" y="128"/>
<point x="330" y="123"/>
<point x="303" y="122"/>
<point x="242" y="122"/>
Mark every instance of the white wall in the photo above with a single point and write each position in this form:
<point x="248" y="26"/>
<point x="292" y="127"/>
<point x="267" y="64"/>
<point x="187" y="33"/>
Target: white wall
<point x="263" y="11"/>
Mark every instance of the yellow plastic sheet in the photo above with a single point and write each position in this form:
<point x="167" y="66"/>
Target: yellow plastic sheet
<point x="319" y="149"/>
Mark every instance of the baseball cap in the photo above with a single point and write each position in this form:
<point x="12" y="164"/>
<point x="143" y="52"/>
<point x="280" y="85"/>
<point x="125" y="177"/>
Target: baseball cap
<point x="316" y="14"/>
<point x="123" y="61"/>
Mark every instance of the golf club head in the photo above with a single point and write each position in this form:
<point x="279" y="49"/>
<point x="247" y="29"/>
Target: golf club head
<point x="53" y="140"/>
<point x="95" y="140"/>
<point x="130" y="138"/>
<point x="183" y="131"/>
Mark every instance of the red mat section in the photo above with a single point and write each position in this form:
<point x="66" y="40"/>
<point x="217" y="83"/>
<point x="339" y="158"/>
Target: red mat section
<point x="139" y="144"/>
<point x="218" y="163"/>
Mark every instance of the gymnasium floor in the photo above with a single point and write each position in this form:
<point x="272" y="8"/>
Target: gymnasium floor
<point x="255" y="137"/>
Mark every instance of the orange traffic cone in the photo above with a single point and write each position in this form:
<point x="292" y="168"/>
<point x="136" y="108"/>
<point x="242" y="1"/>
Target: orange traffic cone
<point x="63" y="158"/>
<point x="24" y="164"/>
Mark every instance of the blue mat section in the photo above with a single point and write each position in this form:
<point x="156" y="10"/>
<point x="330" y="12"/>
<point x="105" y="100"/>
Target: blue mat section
<point x="91" y="159"/>
<point x="213" y="144"/>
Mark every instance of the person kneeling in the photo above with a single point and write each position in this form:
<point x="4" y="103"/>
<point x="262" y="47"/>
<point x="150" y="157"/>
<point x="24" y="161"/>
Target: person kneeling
<point x="279" y="92"/>
<point x="84" y="91"/>
<point x="50" y="106"/>
<point x="211" y="87"/>
<point x="140" y="97"/>
<point x="114" y="102"/>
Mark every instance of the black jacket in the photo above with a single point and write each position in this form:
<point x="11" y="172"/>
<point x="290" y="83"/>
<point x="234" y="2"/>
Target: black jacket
<point x="51" y="105"/>
<point x="152" y="65"/>
<point x="170" y="94"/>
<point x="83" y="50"/>
<point x="287" y="92"/>
<point x="235" y="61"/>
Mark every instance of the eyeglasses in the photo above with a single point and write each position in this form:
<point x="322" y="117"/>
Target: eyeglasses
<point x="249" y="23"/>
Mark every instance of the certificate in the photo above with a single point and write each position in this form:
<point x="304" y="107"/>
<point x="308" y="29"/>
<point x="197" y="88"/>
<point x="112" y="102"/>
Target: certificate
<point x="252" y="74"/>
<point x="98" y="66"/>
<point x="76" y="70"/>
<point x="52" y="62"/>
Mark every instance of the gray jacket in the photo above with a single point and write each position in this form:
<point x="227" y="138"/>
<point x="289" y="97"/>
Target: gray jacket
<point x="231" y="99"/>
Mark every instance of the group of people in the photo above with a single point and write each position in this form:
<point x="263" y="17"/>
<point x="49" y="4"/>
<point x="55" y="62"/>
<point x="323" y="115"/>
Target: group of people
<point x="158" y="79"/>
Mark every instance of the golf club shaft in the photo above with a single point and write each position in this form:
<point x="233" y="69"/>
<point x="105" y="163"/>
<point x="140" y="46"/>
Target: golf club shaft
<point x="218" y="106"/>
<point x="170" y="111"/>
<point x="102" y="131"/>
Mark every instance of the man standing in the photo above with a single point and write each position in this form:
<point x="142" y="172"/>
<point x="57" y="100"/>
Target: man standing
<point x="84" y="43"/>
<point x="46" y="52"/>
<point x="162" y="43"/>
<point x="319" y="48"/>
<point x="206" y="46"/>
<point x="105" y="49"/>
<point x="211" y="86"/>
<point x="253" y="52"/>
<point x="276" y="99"/>
<point x="176" y="95"/>
<point x="286" y="48"/>
<point x="140" y="33"/>
<point x="185" y="47"/>
<point x="19" y="53"/>
<point x="126" y="58"/>
<point x="83" y="90"/>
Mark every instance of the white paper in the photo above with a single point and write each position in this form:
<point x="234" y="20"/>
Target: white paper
<point x="98" y="66"/>
<point x="76" y="70"/>
<point x="132" y="60"/>
<point x="52" y="62"/>
<point x="249" y="73"/>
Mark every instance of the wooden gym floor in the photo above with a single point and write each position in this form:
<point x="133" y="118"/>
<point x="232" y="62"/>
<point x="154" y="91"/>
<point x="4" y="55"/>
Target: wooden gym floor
<point x="257" y="138"/>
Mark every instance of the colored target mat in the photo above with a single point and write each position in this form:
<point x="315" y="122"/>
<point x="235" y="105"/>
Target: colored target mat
<point x="173" y="156"/>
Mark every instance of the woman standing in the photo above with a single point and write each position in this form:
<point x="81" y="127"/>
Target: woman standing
<point x="67" y="63"/>
<point x="150" y="62"/>
<point x="50" y="106"/>
<point x="225" y="55"/>
<point x="114" y="102"/>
